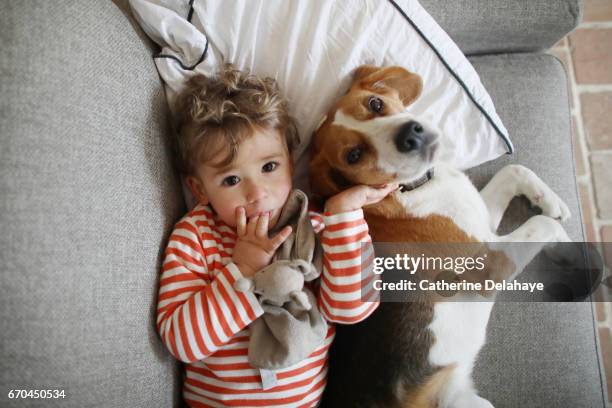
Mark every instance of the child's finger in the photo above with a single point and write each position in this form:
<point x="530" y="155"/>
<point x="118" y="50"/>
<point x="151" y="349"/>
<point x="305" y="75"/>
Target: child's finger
<point x="252" y="225"/>
<point x="384" y="190"/>
<point x="374" y="195"/>
<point x="240" y="221"/>
<point x="386" y="187"/>
<point x="391" y="188"/>
<point x="262" y="226"/>
<point x="280" y="237"/>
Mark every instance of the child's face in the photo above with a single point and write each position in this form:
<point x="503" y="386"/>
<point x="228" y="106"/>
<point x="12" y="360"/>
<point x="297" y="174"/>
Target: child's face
<point x="259" y="179"/>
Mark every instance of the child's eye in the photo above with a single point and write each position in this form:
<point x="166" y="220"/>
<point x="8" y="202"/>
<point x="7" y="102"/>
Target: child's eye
<point x="270" y="166"/>
<point x="231" y="181"/>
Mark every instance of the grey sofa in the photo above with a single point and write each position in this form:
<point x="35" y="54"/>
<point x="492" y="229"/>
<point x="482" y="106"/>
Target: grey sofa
<point x="88" y="198"/>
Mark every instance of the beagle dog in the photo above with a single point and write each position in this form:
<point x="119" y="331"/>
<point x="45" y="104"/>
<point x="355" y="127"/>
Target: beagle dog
<point x="421" y="353"/>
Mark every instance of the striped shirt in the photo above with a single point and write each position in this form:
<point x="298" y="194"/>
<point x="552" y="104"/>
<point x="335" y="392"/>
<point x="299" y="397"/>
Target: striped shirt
<point x="203" y="320"/>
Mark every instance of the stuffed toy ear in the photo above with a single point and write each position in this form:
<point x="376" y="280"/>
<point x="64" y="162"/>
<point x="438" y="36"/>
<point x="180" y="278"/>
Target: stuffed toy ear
<point x="307" y="269"/>
<point x="301" y="299"/>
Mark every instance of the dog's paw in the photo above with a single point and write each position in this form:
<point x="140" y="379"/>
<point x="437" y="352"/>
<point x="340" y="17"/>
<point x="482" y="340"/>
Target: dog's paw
<point x="539" y="194"/>
<point x="565" y="254"/>
<point x="551" y="204"/>
<point x="578" y="273"/>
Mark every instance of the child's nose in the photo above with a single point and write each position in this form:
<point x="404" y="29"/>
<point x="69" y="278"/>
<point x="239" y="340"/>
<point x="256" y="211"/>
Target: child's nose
<point x="255" y="192"/>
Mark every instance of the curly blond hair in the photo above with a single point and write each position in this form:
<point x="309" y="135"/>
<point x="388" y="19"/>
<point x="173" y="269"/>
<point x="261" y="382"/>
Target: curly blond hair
<point x="215" y="114"/>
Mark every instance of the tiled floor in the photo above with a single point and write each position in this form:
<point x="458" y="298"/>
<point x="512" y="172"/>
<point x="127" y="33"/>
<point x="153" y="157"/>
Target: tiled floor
<point x="587" y="56"/>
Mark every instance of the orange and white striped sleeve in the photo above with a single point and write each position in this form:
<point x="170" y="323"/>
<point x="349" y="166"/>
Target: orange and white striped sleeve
<point x="198" y="313"/>
<point x="347" y="268"/>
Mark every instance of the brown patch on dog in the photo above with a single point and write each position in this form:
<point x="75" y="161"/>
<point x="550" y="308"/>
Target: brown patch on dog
<point x="395" y="86"/>
<point x="395" y="80"/>
<point x="356" y="102"/>
<point x="363" y="71"/>
<point x="330" y="172"/>
<point x="390" y="222"/>
<point x="426" y="396"/>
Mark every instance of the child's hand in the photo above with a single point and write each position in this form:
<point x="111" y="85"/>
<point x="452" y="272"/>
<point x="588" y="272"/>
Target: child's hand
<point x="254" y="249"/>
<point x="357" y="197"/>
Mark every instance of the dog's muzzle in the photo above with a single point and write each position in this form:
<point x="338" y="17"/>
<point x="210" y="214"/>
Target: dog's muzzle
<point x="413" y="137"/>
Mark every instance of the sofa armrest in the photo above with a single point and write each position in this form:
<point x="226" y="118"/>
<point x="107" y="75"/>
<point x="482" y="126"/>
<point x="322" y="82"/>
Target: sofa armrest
<point x="88" y="197"/>
<point x="501" y="26"/>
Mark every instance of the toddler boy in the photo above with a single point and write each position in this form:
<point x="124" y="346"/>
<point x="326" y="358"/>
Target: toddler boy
<point x="233" y="146"/>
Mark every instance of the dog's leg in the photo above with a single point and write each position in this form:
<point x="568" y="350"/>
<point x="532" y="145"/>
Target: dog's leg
<point x="514" y="180"/>
<point x="535" y="234"/>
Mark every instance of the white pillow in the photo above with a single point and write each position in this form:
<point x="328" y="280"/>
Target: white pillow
<point x="312" y="47"/>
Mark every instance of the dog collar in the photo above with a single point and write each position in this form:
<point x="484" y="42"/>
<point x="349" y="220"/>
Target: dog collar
<point x="417" y="183"/>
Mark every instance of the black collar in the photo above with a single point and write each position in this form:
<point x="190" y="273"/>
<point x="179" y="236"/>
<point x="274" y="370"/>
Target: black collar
<point x="417" y="183"/>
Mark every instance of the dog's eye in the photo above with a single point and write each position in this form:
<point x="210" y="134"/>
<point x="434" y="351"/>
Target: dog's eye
<point x="353" y="155"/>
<point x="376" y="104"/>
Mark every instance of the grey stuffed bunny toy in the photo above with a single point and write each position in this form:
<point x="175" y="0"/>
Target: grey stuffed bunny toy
<point x="280" y="284"/>
<point x="292" y="326"/>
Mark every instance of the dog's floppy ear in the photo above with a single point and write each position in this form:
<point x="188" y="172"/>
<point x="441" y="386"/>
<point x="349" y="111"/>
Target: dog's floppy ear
<point x="325" y="181"/>
<point x="363" y="71"/>
<point x="408" y="84"/>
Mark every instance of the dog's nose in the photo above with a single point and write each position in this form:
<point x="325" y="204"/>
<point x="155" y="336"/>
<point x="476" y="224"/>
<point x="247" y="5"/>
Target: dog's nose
<point x="411" y="136"/>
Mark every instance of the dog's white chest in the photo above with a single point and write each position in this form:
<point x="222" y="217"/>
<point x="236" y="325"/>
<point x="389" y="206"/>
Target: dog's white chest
<point x="451" y="194"/>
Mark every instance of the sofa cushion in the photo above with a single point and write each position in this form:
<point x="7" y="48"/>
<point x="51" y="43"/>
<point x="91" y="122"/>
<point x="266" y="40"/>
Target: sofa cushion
<point x="87" y="198"/>
<point x="537" y="354"/>
<point x="496" y="26"/>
